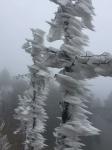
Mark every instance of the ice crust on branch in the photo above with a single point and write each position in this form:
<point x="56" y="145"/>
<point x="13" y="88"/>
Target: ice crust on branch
<point x="71" y="18"/>
<point x="31" y="110"/>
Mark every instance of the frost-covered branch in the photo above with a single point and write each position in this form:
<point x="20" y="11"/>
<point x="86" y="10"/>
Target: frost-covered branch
<point x="72" y="17"/>
<point x="31" y="110"/>
<point x="74" y="115"/>
<point x="82" y="66"/>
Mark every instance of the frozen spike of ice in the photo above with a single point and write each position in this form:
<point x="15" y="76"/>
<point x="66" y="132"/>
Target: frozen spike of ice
<point x="38" y="32"/>
<point x="67" y="80"/>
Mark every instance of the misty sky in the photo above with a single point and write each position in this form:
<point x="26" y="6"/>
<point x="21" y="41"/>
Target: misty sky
<point x="18" y="16"/>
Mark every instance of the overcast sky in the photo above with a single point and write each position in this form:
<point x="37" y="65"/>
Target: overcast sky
<point x="17" y="16"/>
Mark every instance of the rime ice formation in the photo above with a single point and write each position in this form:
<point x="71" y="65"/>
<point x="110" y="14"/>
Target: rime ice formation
<point x="31" y="110"/>
<point x="71" y="19"/>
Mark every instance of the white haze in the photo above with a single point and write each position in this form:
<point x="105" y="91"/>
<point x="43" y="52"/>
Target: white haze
<point x="17" y="16"/>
